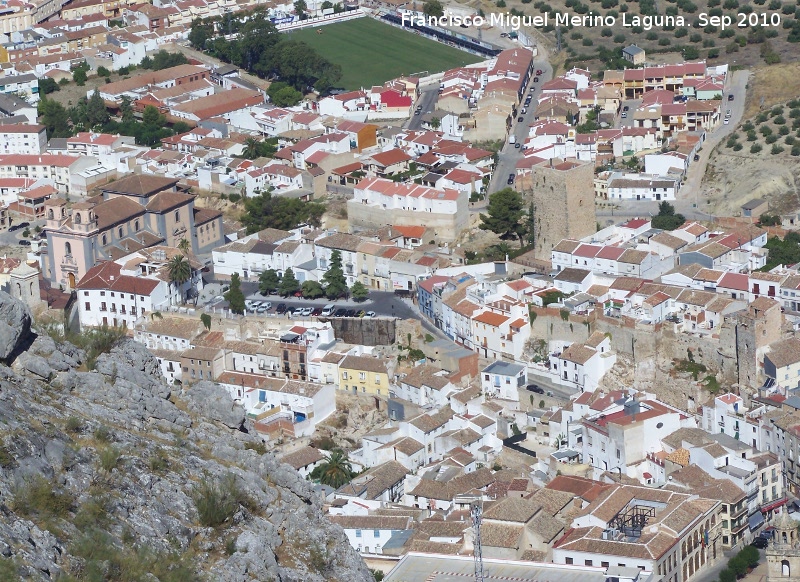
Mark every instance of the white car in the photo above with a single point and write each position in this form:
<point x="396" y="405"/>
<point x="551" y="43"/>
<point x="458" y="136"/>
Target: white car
<point x="307" y="311"/>
<point x="624" y="115"/>
<point x="328" y="310"/>
<point x="727" y="121"/>
<point x="369" y="314"/>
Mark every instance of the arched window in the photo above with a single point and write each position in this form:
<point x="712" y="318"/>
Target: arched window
<point x="31" y="289"/>
<point x="68" y="249"/>
<point x="120" y="233"/>
<point x="19" y="290"/>
<point x="50" y="214"/>
<point x="105" y="239"/>
<point x="177" y="215"/>
<point x="136" y="226"/>
<point x="785" y="568"/>
<point x="78" y="218"/>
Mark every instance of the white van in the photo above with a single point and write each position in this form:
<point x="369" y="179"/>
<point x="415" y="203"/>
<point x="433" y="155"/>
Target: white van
<point x="328" y="310"/>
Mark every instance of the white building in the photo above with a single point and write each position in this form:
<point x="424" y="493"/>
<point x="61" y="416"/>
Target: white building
<point x="581" y="366"/>
<point x="504" y="379"/>
<point x="23" y="139"/>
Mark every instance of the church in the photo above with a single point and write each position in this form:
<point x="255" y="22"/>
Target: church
<point x="134" y="213"/>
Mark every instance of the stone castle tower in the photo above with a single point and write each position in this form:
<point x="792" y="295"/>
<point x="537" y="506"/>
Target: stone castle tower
<point x="783" y="554"/>
<point x="24" y="285"/>
<point x="563" y="197"/>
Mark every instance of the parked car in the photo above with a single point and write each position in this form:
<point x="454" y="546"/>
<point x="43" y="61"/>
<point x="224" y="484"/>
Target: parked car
<point x="328" y="310"/>
<point x="306" y="311"/>
<point x="341" y="312"/>
<point x="266" y="305"/>
<point x="524" y="111"/>
<point x="25" y="243"/>
<point x="511" y="178"/>
<point x="536" y="79"/>
<point x="361" y="313"/>
<point x="517" y="145"/>
<point x="370" y="314"/>
<point x="697" y="157"/>
<point x="727" y="121"/>
<point x="351" y="313"/>
<point x="534" y="388"/>
<point x="625" y="108"/>
<point x="317" y="311"/>
<point x="730" y="97"/>
<point x="538" y="72"/>
<point x="520" y="119"/>
<point x="261" y="309"/>
<point x="23" y="225"/>
<point x="281" y="309"/>
<point x="624" y="115"/>
<point x="760" y="543"/>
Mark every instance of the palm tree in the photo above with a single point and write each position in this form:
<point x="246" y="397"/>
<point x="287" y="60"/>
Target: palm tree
<point x="184" y="246"/>
<point x="179" y="271"/>
<point x="334" y="472"/>
<point x="252" y="148"/>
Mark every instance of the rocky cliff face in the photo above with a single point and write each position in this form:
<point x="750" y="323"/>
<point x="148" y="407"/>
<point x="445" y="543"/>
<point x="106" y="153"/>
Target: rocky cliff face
<point x="107" y="475"/>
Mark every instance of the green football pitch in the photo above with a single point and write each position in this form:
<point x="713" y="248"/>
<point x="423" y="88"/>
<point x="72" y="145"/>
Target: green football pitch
<point x="371" y="52"/>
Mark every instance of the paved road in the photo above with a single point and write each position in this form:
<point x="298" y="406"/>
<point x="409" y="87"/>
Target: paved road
<point x="427" y="100"/>
<point x="691" y="194"/>
<point x="632" y="105"/>
<point x="509" y="155"/>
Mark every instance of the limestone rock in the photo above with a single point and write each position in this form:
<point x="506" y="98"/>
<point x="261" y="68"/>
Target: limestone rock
<point x="210" y="400"/>
<point x="15" y="325"/>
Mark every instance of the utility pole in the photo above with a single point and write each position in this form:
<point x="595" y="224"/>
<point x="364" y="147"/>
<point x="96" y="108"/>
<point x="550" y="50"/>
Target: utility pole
<point x="476" y="512"/>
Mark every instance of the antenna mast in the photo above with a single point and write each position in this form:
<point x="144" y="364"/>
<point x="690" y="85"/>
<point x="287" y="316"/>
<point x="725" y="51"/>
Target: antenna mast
<point x="476" y="511"/>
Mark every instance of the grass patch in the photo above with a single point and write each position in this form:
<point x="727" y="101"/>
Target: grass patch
<point x="693" y="368"/>
<point x="39" y="497"/>
<point x="159" y="462"/>
<point x="109" y="458"/>
<point x="7" y="460"/>
<point x="94" y="341"/>
<point x="371" y="52"/>
<point x="8" y="570"/>
<point x="112" y="563"/>
<point x="218" y="501"/>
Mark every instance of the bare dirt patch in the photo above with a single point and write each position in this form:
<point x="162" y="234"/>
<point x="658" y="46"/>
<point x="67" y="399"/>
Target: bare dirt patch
<point x="772" y="85"/>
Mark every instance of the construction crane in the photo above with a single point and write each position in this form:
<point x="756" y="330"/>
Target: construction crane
<point x="476" y="511"/>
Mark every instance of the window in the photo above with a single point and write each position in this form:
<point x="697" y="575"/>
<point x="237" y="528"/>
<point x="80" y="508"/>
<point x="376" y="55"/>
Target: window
<point x="358" y="533"/>
<point x="588" y="563"/>
<point x="120" y="232"/>
<point x="362" y="375"/>
<point x="77" y="218"/>
<point x="376" y="533"/>
<point x="177" y="215"/>
<point x="68" y="249"/>
<point x="136" y="226"/>
<point x="105" y="240"/>
<point x="88" y="306"/>
<point x="568" y="561"/>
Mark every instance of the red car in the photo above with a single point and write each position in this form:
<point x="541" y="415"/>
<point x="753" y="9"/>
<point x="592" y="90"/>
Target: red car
<point x="539" y="71"/>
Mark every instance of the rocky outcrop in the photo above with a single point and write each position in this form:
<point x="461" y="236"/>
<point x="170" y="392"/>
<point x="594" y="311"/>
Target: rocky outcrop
<point x="15" y="325"/>
<point x="96" y="465"/>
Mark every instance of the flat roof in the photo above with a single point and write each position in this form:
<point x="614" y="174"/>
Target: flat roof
<point x="438" y="568"/>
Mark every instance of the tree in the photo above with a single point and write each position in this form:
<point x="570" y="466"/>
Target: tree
<point x="184" y="246"/>
<point x="152" y="118"/>
<point x="530" y="224"/>
<point x="201" y="32"/>
<point x="433" y="8"/>
<point x="750" y="555"/>
<point x="268" y="281"/>
<point x="48" y="85"/>
<point x="334" y="280"/>
<point x="436" y="123"/>
<point x="666" y="219"/>
<point x="96" y="112"/>
<point x="289" y="284"/>
<point x="179" y="270"/>
<point x="234" y="295"/>
<point x="738" y="565"/>
<point x="55" y="118"/>
<point x="300" y="8"/>
<point x="335" y="471"/>
<point x="103" y="72"/>
<point x="79" y="76"/>
<point x="358" y="291"/>
<point x="312" y="290"/>
<point x="504" y="214"/>
<point x="283" y="95"/>
<point x="267" y="211"/>
<point x="205" y="318"/>
<point x="727" y="575"/>
<point x="126" y="109"/>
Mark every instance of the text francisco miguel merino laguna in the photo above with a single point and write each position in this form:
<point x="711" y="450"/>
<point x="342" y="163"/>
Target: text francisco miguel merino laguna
<point x="506" y="20"/>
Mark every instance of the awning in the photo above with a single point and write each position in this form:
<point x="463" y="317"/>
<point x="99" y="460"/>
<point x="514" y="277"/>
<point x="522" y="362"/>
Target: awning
<point x="647" y="475"/>
<point x="774" y="504"/>
<point x="756" y="521"/>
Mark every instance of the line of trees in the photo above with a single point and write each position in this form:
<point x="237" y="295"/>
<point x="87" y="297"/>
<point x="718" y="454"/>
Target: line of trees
<point x="260" y="49"/>
<point x="332" y="286"/>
